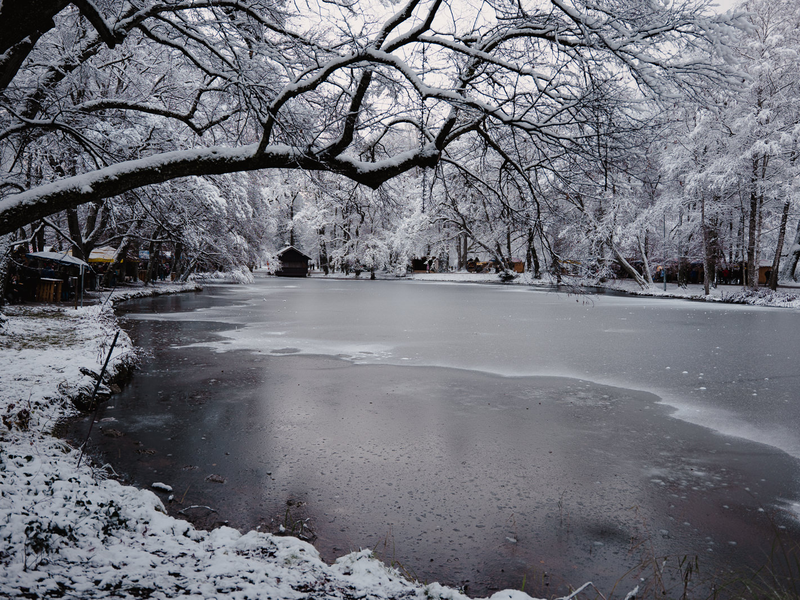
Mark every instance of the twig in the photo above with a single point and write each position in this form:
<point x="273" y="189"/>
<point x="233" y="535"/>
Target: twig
<point x="183" y="511"/>
<point x="94" y="394"/>
<point x="580" y="589"/>
<point x="111" y="293"/>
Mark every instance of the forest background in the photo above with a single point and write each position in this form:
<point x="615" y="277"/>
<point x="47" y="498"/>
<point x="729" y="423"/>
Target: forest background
<point x="596" y="138"/>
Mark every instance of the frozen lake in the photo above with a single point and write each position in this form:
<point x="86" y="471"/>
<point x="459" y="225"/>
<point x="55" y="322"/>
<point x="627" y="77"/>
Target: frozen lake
<point x="478" y="435"/>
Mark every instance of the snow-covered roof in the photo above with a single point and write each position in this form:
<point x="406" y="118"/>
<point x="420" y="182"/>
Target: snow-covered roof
<point x="292" y="248"/>
<point x="102" y="254"/>
<point x="60" y="257"/>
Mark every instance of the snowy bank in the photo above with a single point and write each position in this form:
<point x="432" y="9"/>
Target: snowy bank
<point x="240" y="275"/>
<point x="70" y="531"/>
<point x="787" y="295"/>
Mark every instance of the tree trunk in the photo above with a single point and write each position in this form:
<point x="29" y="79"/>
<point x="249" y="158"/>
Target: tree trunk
<point x="38" y="238"/>
<point x="643" y="250"/>
<point x="94" y="227"/>
<point x="626" y="265"/>
<point x="176" y="260"/>
<point x="5" y="256"/>
<point x="459" y="254"/>
<point x="790" y="266"/>
<point x="759" y="233"/>
<point x="706" y="254"/>
<point x="189" y="270"/>
<point x="532" y="257"/>
<point x="752" y="268"/>
<point x="119" y="256"/>
<point x="465" y="250"/>
<point x="776" y="261"/>
<point x="153" y="263"/>
<point x="323" y="251"/>
<point x="498" y="256"/>
<point x="75" y="233"/>
<point x="555" y="265"/>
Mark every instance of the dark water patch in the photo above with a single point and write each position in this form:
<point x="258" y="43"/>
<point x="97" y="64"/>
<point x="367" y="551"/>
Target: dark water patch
<point x="457" y="476"/>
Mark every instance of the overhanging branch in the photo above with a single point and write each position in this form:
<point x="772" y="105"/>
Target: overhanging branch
<point x="20" y="209"/>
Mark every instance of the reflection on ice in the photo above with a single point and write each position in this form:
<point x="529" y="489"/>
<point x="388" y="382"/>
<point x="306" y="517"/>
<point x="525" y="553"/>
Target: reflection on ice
<point x="278" y="342"/>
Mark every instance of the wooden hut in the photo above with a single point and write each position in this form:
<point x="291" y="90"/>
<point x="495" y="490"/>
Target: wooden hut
<point x="293" y="263"/>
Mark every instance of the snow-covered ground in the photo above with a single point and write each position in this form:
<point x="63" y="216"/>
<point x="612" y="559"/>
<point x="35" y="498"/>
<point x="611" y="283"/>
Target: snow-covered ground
<point x="71" y="531"/>
<point x="787" y="295"/>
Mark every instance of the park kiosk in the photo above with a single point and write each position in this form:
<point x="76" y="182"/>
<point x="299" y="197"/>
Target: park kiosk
<point x="48" y="288"/>
<point x="293" y="263"/>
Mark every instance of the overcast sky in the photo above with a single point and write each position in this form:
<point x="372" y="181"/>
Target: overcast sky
<point x="726" y="4"/>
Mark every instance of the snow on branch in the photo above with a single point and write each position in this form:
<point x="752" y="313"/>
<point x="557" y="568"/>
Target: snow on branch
<point x="20" y="209"/>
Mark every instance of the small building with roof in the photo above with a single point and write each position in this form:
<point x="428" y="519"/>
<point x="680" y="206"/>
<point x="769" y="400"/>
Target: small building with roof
<point x="293" y="263"/>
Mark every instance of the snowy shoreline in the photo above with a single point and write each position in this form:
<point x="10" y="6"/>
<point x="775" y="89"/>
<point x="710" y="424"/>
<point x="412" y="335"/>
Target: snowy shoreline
<point x="787" y="295"/>
<point x="69" y="531"/>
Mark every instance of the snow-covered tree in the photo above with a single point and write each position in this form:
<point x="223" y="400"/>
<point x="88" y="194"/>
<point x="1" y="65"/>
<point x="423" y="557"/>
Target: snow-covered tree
<point x="133" y="95"/>
<point x="733" y="160"/>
